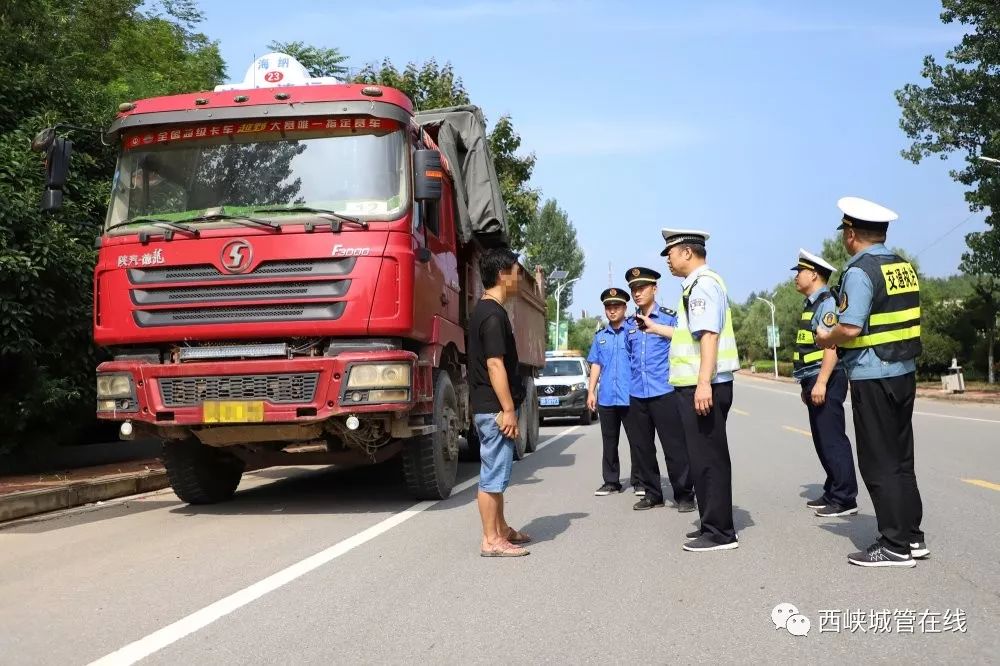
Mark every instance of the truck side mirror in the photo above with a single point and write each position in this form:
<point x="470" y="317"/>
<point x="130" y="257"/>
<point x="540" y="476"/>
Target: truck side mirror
<point x="57" y="157"/>
<point x="427" y="175"/>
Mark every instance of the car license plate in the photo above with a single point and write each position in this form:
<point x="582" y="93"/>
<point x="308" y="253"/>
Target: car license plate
<point x="233" y="411"/>
<point x="548" y="402"/>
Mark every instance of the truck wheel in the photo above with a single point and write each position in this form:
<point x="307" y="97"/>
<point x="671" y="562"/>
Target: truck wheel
<point x="531" y="407"/>
<point x="587" y="417"/>
<point x="430" y="462"/>
<point x="201" y="474"/>
<point x="521" y="444"/>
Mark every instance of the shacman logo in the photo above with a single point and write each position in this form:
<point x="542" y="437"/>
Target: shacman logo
<point x="236" y="256"/>
<point x="341" y="251"/>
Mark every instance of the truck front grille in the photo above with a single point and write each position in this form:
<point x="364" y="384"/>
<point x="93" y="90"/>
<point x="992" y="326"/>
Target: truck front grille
<point x="277" y="388"/>
<point x="553" y="390"/>
<point x="239" y="315"/>
<point x="241" y="292"/>
<point x="267" y="269"/>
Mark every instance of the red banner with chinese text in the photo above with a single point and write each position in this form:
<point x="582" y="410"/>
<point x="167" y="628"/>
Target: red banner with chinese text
<point x="163" y="135"/>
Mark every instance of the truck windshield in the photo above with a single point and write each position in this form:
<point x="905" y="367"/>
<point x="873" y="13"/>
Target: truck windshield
<point x="572" y="368"/>
<point x="179" y="174"/>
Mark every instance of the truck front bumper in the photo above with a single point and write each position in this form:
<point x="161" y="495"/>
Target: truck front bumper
<point x="298" y="390"/>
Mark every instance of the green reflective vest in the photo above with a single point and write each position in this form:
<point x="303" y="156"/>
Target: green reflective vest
<point x="685" y="351"/>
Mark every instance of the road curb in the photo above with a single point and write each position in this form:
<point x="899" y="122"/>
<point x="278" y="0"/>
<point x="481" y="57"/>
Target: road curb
<point x="34" y="502"/>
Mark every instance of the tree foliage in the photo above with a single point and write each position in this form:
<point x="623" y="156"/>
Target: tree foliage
<point x="581" y="332"/>
<point x="433" y="86"/>
<point x="959" y="111"/>
<point x="550" y="242"/>
<point x="318" y="60"/>
<point x="70" y="61"/>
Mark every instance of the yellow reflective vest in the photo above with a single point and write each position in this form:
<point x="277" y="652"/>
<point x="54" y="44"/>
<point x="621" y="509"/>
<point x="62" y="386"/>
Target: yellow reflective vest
<point x="685" y="351"/>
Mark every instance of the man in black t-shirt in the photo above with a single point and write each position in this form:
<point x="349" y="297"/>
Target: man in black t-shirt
<point x="495" y="393"/>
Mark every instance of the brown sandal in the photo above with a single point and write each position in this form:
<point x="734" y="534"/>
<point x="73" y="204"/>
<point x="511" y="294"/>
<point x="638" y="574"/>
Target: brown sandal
<point x="517" y="538"/>
<point x="505" y="549"/>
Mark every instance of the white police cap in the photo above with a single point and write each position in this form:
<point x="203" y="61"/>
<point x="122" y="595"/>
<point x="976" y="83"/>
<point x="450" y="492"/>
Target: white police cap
<point x="677" y="236"/>
<point x="863" y="214"/>
<point x="813" y="262"/>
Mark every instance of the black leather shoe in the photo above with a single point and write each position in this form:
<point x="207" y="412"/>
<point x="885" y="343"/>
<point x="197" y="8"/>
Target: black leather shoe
<point x="647" y="502"/>
<point x="686" y="506"/>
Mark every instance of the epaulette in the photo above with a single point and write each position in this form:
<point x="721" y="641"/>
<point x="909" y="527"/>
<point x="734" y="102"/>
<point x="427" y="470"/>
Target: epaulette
<point x="668" y="311"/>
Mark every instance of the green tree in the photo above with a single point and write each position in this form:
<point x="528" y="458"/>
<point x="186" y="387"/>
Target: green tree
<point x="581" y="332"/>
<point x="550" y="242"/>
<point x="432" y="86"/>
<point x="317" y="60"/>
<point x="70" y="61"/>
<point x="983" y="261"/>
<point x="959" y="111"/>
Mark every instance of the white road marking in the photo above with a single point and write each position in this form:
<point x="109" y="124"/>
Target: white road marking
<point x="200" y="619"/>
<point x="848" y="402"/>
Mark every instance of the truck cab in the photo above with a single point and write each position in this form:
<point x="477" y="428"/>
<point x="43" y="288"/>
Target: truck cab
<point x="283" y="278"/>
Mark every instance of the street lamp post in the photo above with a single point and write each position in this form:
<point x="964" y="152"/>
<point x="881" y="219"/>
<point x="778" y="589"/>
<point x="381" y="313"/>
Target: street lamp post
<point x="559" y="305"/>
<point x="774" y="341"/>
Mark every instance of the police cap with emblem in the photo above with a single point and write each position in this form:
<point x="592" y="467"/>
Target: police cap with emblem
<point x="863" y="214"/>
<point x="639" y="275"/>
<point x="686" y="236"/>
<point x="613" y="295"/>
<point x="814" y="262"/>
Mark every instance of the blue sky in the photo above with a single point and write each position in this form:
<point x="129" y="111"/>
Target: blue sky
<point x="746" y="119"/>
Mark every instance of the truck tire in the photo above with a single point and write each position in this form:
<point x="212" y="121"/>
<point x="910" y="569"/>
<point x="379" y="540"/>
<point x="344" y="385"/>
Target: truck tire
<point x="201" y="474"/>
<point x="430" y="462"/>
<point x="521" y="443"/>
<point x="531" y="407"/>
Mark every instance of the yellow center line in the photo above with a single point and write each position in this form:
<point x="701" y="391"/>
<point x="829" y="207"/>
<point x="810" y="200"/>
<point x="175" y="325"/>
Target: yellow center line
<point x="741" y="412"/>
<point x="983" y="484"/>
<point x="798" y="430"/>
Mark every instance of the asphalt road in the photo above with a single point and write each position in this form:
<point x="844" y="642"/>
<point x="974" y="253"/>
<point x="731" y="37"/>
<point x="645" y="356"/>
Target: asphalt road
<point x="317" y="567"/>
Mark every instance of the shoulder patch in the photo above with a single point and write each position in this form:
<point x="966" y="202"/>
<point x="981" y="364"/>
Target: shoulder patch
<point x="668" y="311"/>
<point x="830" y="319"/>
<point x="842" y="306"/>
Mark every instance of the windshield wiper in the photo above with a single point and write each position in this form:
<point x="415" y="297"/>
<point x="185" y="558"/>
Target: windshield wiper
<point x="157" y="222"/>
<point x="325" y="212"/>
<point x="243" y="219"/>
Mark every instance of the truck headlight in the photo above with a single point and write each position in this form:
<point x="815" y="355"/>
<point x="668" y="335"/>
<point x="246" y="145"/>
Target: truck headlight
<point x="379" y="375"/>
<point x="114" y="386"/>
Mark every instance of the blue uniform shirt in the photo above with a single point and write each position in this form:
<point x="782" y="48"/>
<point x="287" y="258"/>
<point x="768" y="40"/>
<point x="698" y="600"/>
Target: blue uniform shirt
<point x="865" y="363"/>
<point x="608" y="351"/>
<point x="828" y="305"/>
<point x="649" y="355"/>
<point x="707" y="306"/>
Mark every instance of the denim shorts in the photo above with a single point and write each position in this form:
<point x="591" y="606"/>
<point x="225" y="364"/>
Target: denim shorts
<point x="496" y="452"/>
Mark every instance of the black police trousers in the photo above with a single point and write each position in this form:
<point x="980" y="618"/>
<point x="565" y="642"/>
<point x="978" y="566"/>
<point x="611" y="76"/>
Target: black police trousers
<point x="711" y="469"/>
<point x="883" y="425"/>
<point x="612" y="419"/>
<point x="659" y="416"/>
<point x="830" y="439"/>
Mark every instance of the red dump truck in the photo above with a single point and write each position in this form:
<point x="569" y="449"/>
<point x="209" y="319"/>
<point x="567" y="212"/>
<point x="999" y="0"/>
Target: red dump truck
<point x="284" y="277"/>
